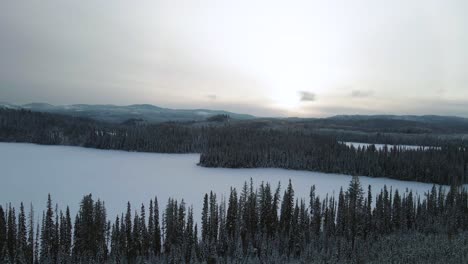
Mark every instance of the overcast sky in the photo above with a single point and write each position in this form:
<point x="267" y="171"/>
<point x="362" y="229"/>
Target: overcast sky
<point x="267" y="58"/>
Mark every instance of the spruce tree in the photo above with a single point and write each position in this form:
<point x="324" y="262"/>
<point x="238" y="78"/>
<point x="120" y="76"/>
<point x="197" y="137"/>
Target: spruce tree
<point x="137" y="236"/>
<point x="30" y="243"/>
<point x="36" y="245"/>
<point x="287" y="208"/>
<point x="145" y="243"/>
<point x="397" y="211"/>
<point x="189" y="237"/>
<point x="68" y="233"/>
<point x="355" y="210"/>
<point x="205" y="220"/>
<point x="157" y="229"/>
<point x="128" y="232"/>
<point x="48" y="231"/>
<point x="151" y="228"/>
<point x="3" y="232"/>
<point x="213" y="218"/>
<point x="22" y="240"/>
<point x="231" y="218"/>
<point x="341" y="214"/>
<point x="12" y="230"/>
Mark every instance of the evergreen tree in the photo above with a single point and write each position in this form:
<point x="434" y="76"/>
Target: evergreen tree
<point x="30" y="247"/>
<point x="231" y="219"/>
<point x="11" y="234"/>
<point x="368" y="218"/>
<point x="397" y="218"/>
<point x="22" y="240"/>
<point x="36" y="246"/>
<point x="355" y="210"/>
<point x="47" y="233"/>
<point x="145" y="239"/>
<point x="205" y="220"/>
<point x="136" y="235"/>
<point x="151" y="240"/>
<point x="3" y="232"/>
<point x="65" y="235"/>
<point x="157" y="229"/>
<point x="213" y="218"/>
<point x="341" y="214"/>
<point x="128" y="232"/>
<point x="189" y="237"/>
<point x="433" y="227"/>
<point x="287" y="207"/>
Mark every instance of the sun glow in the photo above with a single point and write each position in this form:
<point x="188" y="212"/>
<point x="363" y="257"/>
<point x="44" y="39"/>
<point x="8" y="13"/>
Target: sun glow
<point x="283" y="57"/>
<point x="276" y="54"/>
<point x="285" y="99"/>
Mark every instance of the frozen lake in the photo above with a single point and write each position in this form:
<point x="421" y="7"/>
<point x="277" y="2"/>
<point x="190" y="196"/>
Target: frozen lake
<point x="29" y="172"/>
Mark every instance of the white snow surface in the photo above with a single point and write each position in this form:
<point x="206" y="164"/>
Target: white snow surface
<point x="381" y="146"/>
<point x="29" y="172"/>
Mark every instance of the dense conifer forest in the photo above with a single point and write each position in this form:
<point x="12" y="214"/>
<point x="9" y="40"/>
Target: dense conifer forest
<point x="242" y="145"/>
<point x="53" y="129"/>
<point x="247" y="148"/>
<point x="253" y="225"/>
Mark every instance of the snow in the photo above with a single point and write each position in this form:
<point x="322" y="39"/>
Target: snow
<point x="29" y="172"/>
<point x="8" y="106"/>
<point x="381" y="146"/>
<point x="203" y="113"/>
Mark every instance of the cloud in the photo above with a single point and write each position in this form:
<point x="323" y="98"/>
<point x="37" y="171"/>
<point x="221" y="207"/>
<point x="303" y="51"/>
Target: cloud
<point x="440" y="91"/>
<point x="307" y="96"/>
<point x="361" y="93"/>
<point x="212" y="97"/>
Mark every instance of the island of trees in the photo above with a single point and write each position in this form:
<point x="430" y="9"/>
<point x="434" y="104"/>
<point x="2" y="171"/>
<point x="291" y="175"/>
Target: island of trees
<point x="247" y="148"/>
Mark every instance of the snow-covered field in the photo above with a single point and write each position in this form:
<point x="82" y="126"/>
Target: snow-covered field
<point x="29" y="172"/>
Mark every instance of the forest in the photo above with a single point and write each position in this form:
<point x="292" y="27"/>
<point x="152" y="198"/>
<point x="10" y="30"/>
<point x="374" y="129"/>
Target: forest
<point x="54" y="129"/>
<point x="223" y="143"/>
<point x="247" y="148"/>
<point x="263" y="224"/>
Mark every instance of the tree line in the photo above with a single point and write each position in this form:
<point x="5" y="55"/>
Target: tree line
<point x="247" y="148"/>
<point x="54" y="129"/>
<point x="255" y="225"/>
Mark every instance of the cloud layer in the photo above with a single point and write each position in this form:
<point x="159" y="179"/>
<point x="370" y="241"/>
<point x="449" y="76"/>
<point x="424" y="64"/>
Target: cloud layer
<point x="399" y="55"/>
<point x="361" y="93"/>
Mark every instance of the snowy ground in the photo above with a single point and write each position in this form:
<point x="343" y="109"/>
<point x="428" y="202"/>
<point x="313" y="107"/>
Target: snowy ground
<point x="29" y="172"/>
<point x="381" y="146"/>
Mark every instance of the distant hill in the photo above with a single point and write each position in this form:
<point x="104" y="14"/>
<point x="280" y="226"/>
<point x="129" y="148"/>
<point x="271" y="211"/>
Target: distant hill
<point x="415" y="118"/>
<point x="146" y="113"/>
<point x="432" y="122"/>
<point x="120" y="114"/>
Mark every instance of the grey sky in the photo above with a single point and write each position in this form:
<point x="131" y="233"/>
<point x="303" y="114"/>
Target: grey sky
<point x="258" y="57"/>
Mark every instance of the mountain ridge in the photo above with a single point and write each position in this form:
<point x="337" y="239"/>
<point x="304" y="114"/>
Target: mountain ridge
<point x="156" y="114"/>
<point x="417" y="118"/>
<point x="121" y="113"/>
